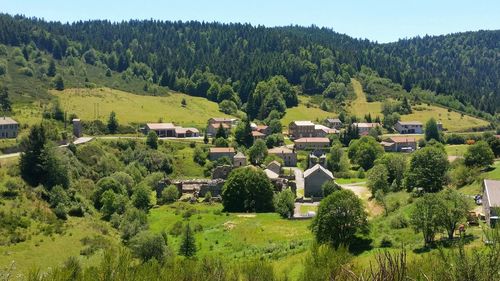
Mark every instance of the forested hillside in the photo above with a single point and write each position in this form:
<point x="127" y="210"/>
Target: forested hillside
<point x="227" y="61"/>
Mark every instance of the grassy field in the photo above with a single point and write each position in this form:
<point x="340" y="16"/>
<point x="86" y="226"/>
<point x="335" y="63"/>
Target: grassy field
<point x="184" y="166"/>
<point x="452" y="121"/>
<point x="456" y="150"/>
<point x="131" y="108"/>
<point x="235" y="236"/>
<point x="302" y="112"/>
<point x="43" y="252"/>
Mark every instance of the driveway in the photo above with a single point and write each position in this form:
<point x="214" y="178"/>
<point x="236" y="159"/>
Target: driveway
<point x="299" y="178"/>
<point x="365" y="195"/>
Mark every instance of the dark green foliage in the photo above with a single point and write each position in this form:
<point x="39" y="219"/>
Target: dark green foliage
<point x="221" y="133"/>
<point x="427" y="170"/>
<point x="112" y="123"/>
<point x="396" y="167"/>
<point x="275" y="140"/>
<point x="51" y="71"/>
<point x="479" y="155"/>
<point x="58" y="82"/>
<point x="55" y="171"/>
<point x="5" y="103"/>
<point x="147" y="246"/>
<point x="377" y="178"/>
<point x="188" y="246"/>
<point x="103" y="185"/>
<point x="152" y="140"/>
<point x="365" y="151"/>
<point x="133" y="222"/>
<point x="228" y="107"/>
<point x="31" y="160"/>
<point x="247" y="189"/>
<point x="243" y="133"/>
<point x="329" y="187"/>
<point x="432" y="131"/>
<point x="221" y="142"/>
<point x="284" y="203"/>
<point x="340" y="216"/>
<point x="351" y="133"/>
<point x="141" y="197"/>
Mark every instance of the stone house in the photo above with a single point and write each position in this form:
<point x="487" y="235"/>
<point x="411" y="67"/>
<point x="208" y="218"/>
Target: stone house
<point x="364" y="128"/>
<point x="161" y="129"/>
<point x="333" y="123"/>
<point x="261" y="129"/>
<point x="301" y="129"/>
<point x="288" y="155"/>
<point x="219" y="152"/>
<point x="399" y="144"/>
<point x="181" y="132"/>
<point x="214" y="127"/>
<point x="217" y="120"/>
<point x="274" y="166"/>
<point x="8" y="128"/>
<point x="409" y="127"/>
<point x="239" y="160"/>
<point x="312" y="143"/>
<point x="323" y="131"/>
<point x="314" y="178"/>
<point x="258" y="135"/>
<point x="491" y="201"/>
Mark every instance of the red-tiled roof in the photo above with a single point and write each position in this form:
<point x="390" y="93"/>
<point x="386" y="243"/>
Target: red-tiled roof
<point x="221" y="149"/>
<point x="315" y="140"/>
<point x="402" y="139"/>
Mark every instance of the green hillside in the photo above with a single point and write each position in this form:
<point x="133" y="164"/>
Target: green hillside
<point x="138" y="109"/>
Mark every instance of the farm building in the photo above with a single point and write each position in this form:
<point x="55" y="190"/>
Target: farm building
<point x="491" y="201"/>
<point x="314" y="178"/>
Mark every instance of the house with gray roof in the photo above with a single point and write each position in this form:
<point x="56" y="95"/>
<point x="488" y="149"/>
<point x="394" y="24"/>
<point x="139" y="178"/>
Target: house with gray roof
<point x="239" y="160"/>
<point x="314" y="178"/>
<point x="409" y="127"/>
<point x="491" y="201"/>
<point x="8" y="128"/>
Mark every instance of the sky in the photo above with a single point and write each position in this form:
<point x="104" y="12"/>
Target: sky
<point x="377" y="20"/>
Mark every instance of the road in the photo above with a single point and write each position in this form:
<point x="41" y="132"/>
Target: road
<point x="78" y="141"/>
<point x="365" y="195"/>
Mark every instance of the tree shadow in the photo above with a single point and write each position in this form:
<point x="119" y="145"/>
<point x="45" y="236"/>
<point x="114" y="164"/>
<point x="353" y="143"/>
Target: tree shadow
<point x="360" y="244"/>
<point x="446" y="243"/>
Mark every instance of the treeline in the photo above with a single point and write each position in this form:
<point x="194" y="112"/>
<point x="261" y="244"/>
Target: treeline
<point x="193" y="57"/>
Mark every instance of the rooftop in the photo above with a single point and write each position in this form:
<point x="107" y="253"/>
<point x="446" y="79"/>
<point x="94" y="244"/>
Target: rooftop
<point x="279" y="150"/>
<point x="221" y="150"/>
<point x="303" y="123"/>
<point x="333" y="120"/>
<point x="315" y="140"/>
<point x="401" y="139"/>
<point x="181" y="130"/>
<point x="315" y="168"/>
<point x="270" y="174"/>
<point x="366" y="125"/>
<point x="222" y="119"/>
<point x="240" y="155"/>
<point x="325" y="129"/>
<point x="160" y="126"/>
<point x="257" y="134"/>
<point x="217" y="125"/>
<point x="7" y="121"/>
<point x="492" y="192"/>
<point x="417" y="123"/>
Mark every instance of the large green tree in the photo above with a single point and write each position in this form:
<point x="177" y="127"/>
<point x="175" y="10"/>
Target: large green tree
<point x="432" y="130"/>
<point x="479" y="155"/>
<point x="340" y="216"/>
<point x="455" y="210"/>
<point x="284" y="203"/>
<point x="247" y="189"/>
<point x="425" y="216"/>
<point x="377" y="179"/>
<point x="427" y="169"/>
<point x="31" y="163"/>
<point x="112" y="123"/>
<point x="258" y="152"/>
<point x="365" y="151"/>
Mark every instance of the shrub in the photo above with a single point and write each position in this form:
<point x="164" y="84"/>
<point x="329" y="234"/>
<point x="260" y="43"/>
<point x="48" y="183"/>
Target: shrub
<point x="60" y="212"/>
<point x="170" y="194"/>
<point x="399" y="222"/>
<point x="147" y="245"/>
<point x="25" y="71"/>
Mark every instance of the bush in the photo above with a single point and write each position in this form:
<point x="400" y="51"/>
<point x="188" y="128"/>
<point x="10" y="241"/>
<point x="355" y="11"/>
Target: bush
<point x="284" y="203"/>
<point x="398" y="222"/>
<point x="60" y="212"/>
<point x="228" y="107"/>
<point x="170" y="194"/>
<point x="147" y="245"/>
<point x="25" y="71"/>
<point x="386" y="242"/>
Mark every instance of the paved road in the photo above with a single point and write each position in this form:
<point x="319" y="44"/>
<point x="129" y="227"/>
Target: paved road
<point x="299" y="177"/>
<point x="76" y="142"/>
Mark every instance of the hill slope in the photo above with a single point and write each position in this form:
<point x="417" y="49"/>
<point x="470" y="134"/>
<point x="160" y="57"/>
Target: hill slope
<point x="137" y="109"/>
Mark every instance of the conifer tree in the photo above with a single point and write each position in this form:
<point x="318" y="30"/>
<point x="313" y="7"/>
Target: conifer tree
<point x="188" y="246"/>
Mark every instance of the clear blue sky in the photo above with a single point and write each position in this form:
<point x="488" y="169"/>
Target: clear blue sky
<point x="380" y="20"/>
